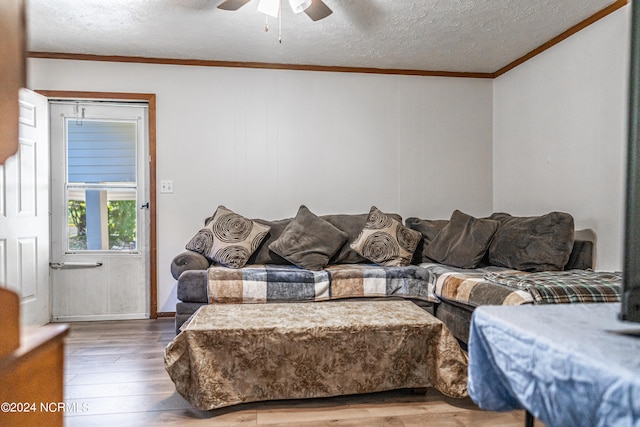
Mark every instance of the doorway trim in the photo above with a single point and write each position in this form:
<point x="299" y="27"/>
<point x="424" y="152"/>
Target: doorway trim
<point x="151" y="99"/>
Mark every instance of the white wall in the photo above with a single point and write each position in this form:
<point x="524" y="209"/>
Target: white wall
<point x="560" y="133"/>
<point x="262" y="142"/>
<point x="548" y="135"/>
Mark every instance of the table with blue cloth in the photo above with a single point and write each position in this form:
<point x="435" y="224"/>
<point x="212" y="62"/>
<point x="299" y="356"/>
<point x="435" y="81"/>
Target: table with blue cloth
<point x="566" y="364"/>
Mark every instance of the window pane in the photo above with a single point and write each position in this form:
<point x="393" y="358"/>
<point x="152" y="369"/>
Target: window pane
<point x="102" y="219"/>
<point x="101" y="185"/>
<point x="101" y="152"/>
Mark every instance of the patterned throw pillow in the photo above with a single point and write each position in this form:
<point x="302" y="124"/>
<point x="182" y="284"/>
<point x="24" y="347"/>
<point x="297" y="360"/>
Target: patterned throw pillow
<point x="352" y="224"/>
<point x="228" y="238"/>
<point x="386" y="241"/>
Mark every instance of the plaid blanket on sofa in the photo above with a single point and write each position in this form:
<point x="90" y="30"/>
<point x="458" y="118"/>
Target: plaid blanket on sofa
<point x="286" y="283"/>
<point x="502" y="286"/>
<point x="561" y="287"/>
<point x="469" y="286"/>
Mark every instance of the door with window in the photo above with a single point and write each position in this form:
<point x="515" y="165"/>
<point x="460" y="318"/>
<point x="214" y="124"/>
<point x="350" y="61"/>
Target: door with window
<point x="99" y="211"/>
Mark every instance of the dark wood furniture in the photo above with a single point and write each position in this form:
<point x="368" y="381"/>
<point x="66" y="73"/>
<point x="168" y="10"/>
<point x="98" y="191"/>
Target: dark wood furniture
<point x="12" y="72"/>
<point x="31" y="369"/>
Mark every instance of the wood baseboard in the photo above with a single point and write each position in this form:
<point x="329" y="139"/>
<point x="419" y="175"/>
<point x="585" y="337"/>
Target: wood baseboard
<point x="165" y="314"/>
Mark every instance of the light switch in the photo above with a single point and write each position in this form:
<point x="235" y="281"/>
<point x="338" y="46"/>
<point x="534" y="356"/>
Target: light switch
<point x="166" y="186"/>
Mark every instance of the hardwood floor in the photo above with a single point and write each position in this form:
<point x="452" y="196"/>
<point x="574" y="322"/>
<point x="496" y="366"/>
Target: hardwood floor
<point x="114" y="376"/>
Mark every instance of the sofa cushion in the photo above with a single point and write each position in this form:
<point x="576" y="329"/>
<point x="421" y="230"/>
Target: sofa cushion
<point x="262" y="284"/>
<point x="535" y="243"/>
<point x="429" y="228"/>
<point x="386" y="241"/>
<point x="309" y="241"/>
<point x="352" y="224"/>
<point x="264" y="255"/>
<point x="228" y="238"/>
<point x="463" y="241"/>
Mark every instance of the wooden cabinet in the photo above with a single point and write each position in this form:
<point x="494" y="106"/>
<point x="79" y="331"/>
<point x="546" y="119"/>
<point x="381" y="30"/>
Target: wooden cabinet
<point x="12" y="72"/>
<point x="31" y="370"/>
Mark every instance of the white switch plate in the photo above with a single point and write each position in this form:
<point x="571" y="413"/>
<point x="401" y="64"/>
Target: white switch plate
<point x="166" y="186"/>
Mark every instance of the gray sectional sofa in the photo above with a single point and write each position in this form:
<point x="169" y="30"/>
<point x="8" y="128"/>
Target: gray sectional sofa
<point x="447" y="267"/>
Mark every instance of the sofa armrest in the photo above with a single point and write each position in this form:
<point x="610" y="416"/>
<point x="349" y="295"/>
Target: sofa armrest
<point x="192" y="286"/>
<point x="583" y="256"/>
<point x="188" y="260"/>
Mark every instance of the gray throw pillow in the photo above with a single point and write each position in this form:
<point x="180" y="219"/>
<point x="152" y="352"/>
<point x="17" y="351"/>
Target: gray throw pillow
<point x="309" y="241"/>
<point x="463" y="241"/>
<point x="537" y="243"/>
<point x="386" y="241"/>
<point x="264" y="255"/>
<point x="429" y="228"/>
<point x="228" y="238"/>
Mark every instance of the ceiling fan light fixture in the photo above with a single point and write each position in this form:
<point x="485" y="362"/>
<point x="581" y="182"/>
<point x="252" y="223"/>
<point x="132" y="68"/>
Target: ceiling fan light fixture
<point x="269" y="7"/>
<point x="299" y="6"/>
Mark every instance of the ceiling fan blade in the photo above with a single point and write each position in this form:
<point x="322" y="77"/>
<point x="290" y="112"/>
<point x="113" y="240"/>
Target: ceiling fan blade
<point x="318" y="10"/>
<point x="232" y="4"/>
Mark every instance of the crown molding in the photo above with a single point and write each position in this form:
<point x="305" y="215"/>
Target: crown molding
<point x="339" y="69"/>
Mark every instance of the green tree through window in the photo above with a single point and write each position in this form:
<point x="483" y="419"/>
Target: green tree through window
<point x="121" y="224"/>
<point x="77" y="217"/>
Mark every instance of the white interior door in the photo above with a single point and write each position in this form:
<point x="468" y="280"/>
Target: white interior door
<point x="24" y="213"/>
<point x="100" y="211"/>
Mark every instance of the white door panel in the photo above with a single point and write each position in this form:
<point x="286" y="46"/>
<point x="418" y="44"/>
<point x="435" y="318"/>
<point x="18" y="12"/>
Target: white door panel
<point x="24" y="213"/>
<point x="99" y="159"/>
<point x="101" y="293"/>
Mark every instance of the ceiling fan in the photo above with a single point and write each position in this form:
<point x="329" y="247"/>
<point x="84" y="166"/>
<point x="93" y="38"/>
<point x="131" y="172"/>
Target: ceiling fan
<point x="315" y="9"/>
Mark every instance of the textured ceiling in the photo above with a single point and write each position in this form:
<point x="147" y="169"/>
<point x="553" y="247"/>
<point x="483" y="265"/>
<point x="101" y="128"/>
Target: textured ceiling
<point x="435" y="35"/>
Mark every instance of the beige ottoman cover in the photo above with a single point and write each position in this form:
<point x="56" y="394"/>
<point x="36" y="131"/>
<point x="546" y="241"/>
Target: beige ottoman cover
<point x="236" y="353"/>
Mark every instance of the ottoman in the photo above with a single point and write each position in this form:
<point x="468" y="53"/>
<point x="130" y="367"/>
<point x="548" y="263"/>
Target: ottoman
<point x="235" y="353"/>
